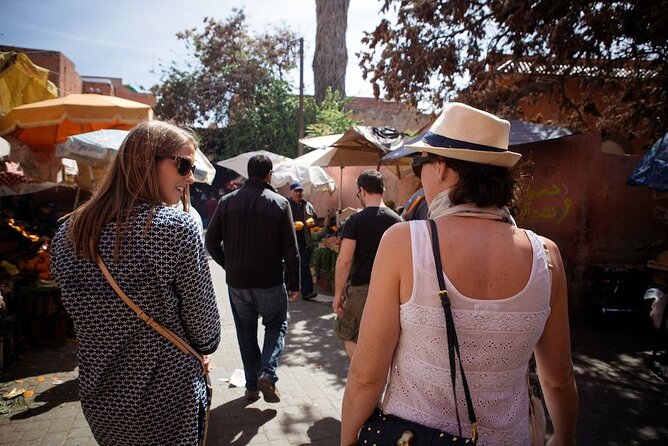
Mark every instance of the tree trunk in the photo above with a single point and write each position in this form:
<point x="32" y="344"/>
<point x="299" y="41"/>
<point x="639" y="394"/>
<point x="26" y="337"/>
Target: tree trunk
<point x="331" y="56"/>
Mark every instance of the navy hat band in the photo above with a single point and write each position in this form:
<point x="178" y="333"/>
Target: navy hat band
<point x="443" y="141"/>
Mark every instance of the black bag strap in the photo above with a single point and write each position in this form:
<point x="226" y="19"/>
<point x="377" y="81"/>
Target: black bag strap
<point x="453" y="343"/>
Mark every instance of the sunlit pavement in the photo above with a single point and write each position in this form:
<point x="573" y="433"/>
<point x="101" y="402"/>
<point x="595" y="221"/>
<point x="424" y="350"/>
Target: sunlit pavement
<point x="621" y="401"/>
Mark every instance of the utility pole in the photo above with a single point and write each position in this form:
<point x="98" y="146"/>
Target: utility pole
<point x="300" y="146"/>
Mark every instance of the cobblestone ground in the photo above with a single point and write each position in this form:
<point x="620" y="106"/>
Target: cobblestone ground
<point x="622" y="402"/>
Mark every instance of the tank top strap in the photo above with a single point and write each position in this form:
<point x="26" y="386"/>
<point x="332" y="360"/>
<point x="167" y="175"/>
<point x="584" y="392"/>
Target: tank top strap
<point x="542" y="263"/>
<point x="425" y="284"/>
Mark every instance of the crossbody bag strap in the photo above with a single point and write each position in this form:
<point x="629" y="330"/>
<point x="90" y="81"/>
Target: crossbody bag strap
<point x="453" y="343"/>
<point x="155" y="325"/>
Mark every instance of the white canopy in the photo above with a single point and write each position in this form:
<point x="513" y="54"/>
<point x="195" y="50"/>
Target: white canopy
<point x="286" y="170"/>
<point x="239" y="163"/>
<point x="4" y="148"/>
<point x="98" y="149"/>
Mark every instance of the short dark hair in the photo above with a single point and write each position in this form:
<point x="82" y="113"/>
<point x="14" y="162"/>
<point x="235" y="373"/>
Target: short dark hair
<point x="259" y="166"/>
<point x="371" y="181"/>
<point x="482" y="184"/>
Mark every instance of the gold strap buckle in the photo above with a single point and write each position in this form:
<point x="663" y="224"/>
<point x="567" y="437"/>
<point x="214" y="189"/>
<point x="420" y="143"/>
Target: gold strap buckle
<point x="474" y="432"/>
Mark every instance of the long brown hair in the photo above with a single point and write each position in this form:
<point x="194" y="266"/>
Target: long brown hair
<point x="132" y="177"/>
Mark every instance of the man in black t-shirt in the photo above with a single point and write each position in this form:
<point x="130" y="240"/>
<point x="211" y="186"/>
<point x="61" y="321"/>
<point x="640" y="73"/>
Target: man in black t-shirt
<point x="361" y="236"/>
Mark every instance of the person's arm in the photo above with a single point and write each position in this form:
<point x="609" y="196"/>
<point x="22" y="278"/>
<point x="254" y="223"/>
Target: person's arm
<point x="344" y="263"/>
<point x="553" y="359"/>
<point x="378" y="337"/>
<point x="214" y="236"/>
<point x="199" y="312"/>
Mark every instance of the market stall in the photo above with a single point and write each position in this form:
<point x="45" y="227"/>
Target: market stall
<point x="31" y="313"/>
<point x="326" y="243"/>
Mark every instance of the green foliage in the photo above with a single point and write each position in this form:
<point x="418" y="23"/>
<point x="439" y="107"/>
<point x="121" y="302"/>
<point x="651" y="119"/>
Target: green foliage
<point x="324" y="259"/>
<point x="227" y="64"/>
<point x="212" y="141"/>
<point x="330" y="116"/>
<point x="177" y="96"/>
<point x="268" y="122"/>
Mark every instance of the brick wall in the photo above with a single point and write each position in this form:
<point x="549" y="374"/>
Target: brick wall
<point x="380" y="113"/>
<point x="93" y="87"/>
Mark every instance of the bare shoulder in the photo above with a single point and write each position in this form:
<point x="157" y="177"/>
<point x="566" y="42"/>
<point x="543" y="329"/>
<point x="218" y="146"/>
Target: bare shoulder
<point x="398" y="233"/>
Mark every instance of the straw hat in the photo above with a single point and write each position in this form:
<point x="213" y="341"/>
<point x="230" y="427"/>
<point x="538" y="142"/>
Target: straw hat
<point x="466" y="133"/>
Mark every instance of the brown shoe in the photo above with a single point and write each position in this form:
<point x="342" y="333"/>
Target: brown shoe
<point x="268" y="389"/>
<point x="252" y="395"/>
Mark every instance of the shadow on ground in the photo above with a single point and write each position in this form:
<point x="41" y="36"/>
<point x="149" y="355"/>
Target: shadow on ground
<point x="55" y="359"/>
<point x="234" y="423"/>
<point x="622" y="400"/>
<point x="311" y="340"/>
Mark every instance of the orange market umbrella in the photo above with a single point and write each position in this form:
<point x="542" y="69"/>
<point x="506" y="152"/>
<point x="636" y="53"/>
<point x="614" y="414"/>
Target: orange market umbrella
<point x="44" y="124"/>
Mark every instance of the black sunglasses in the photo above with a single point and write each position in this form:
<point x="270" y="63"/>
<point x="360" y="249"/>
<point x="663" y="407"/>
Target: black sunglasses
<point x="419" y="161"/>
<point x="183" y="165"/>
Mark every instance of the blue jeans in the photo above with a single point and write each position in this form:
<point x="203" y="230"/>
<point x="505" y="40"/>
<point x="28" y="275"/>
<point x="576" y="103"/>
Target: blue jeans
<point x="272" y="304"/>
<point x="305" y="267"/>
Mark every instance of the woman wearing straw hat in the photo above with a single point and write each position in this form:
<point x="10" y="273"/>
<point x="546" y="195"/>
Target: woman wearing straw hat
<point x="507" y="294"/>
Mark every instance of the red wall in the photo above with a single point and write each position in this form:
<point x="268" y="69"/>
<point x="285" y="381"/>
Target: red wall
<point x="579" y="198"/>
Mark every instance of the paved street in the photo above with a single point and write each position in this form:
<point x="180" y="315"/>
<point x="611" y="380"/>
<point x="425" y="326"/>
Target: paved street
<point x="312" y="376"/>
<point x="621" y="401"/>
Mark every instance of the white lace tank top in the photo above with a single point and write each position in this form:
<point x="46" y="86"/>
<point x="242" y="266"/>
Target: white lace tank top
<point x="496" y="340"/>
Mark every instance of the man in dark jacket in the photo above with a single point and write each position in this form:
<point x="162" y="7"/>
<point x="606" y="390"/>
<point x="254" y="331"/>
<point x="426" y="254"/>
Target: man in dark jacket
<point x="251" y="235"/>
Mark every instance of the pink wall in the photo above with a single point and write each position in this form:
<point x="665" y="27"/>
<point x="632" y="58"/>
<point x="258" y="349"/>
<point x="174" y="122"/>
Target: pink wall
<point x="396" y="189"/>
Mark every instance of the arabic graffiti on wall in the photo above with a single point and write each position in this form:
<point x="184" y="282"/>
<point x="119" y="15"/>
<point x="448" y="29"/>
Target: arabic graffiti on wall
<point x="547" y="203"/>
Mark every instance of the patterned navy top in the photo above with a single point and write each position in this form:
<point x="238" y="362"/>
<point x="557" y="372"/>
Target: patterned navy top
<point x="136" y="387"/>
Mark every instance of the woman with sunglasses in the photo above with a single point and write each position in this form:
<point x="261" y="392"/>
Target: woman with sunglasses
<point x="136" y="387"/>
<point x="507" y="294"/>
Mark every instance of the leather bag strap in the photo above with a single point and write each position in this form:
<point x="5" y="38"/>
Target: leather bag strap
<point x="155" y="325"/>
<point x="453" y="343"/>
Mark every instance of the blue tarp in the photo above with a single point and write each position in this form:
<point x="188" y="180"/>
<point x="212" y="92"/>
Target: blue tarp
<point x="652" y="170"/>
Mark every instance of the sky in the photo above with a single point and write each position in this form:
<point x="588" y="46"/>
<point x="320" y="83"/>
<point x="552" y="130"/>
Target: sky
<point x="132" y="39"/>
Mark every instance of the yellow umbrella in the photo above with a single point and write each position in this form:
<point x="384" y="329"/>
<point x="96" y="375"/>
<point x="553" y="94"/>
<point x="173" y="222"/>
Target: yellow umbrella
<point x="44" y="124"/>
<point x="22" y="82"/>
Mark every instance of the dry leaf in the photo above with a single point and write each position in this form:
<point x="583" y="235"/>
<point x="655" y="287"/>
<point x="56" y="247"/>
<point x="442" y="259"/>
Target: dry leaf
<point x="13" y="393"/>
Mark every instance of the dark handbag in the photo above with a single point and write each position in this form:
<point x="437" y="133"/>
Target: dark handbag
<point x="383" y="429"/>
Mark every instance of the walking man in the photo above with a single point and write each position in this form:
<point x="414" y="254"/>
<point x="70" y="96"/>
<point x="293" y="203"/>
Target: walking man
<point x="304" y="215"/>
<point x="361" y="236"/>
<point x="251" y="235"/>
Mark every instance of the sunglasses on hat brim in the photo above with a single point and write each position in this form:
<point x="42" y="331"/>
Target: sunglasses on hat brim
<point x="183" y="165"/>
